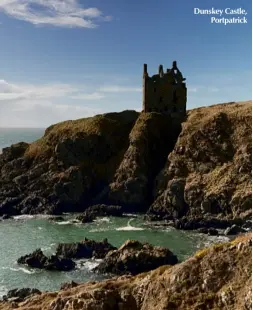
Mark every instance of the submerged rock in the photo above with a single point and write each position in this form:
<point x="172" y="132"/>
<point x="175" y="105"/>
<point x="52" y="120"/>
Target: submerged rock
<point x="85" y="249"/>
<point x="133" y="257"/>
<point x="37" y="259"/>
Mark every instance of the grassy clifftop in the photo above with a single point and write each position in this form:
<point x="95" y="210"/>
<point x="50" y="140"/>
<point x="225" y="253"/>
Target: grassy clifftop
<point x="111" y="126"/>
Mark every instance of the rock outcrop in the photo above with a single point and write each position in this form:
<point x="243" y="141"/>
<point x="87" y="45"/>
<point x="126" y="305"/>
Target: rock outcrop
<point x="65" y="169"/>
<point x="18" y="295"/>
<point x="209" y="170"/>
<point x="92" y="212"/>
<point x="151" y="139"/>
<point x="38" y="260"/>
<point x="84" y="249"/>
<point x="218" y="277"/>
<point x="133" y="257"/>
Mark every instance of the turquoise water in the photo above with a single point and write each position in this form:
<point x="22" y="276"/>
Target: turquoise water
<point x="24" y="234"/>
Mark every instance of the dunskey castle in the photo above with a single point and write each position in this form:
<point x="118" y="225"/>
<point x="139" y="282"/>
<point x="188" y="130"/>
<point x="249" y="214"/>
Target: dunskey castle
<point x="165" y="92"/>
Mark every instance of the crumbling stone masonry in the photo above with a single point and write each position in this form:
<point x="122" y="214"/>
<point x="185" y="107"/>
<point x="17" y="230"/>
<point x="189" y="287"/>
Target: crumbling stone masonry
<point x="165" y="92"/>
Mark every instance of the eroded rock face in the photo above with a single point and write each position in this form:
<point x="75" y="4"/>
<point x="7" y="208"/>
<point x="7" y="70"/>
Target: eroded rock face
<point x="218" y="277"/>
<point x="133" y="257"/>
<point x="152" y="137"/>
<point x="13" y="152"/>
<point x="84" y="249"/>
<point x="212" y="162"/>
<point x="66" y="168"/>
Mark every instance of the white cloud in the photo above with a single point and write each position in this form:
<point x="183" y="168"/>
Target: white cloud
<point x="27" y="105"/>
<point x="93" y="96"/>
<point x="10" y="91"/>
<point x="119" y="89"/>
<point x="60" y="13"/>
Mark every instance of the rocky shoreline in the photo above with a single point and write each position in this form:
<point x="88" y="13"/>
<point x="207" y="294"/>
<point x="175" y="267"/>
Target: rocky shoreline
<point x="196" y="176"/>
<point x="132" y="257"/>
<point x="215" y="278"/>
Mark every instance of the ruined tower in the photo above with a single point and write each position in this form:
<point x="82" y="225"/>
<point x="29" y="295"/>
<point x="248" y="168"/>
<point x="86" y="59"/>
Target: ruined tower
<point x="164" y="92"/>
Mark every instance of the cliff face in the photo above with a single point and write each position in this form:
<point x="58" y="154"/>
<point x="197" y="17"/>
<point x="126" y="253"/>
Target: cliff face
<point x="136" y="160"/>
<point x="151" y="139"/>
<point x="209" y="170"/>
<point x="215" y="278"/>
<point x="64" y="169"/>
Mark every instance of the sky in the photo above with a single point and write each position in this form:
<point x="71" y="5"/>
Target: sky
<point x="68" y="59"/>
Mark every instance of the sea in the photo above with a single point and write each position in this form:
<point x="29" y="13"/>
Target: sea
<point x="24" y="234"/>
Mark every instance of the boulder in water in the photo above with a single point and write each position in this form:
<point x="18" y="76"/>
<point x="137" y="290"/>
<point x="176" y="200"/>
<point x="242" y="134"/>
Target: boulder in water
<point x="37" y="259"/>
<point x="99" y="210"/>
<point x="85" y="249"/>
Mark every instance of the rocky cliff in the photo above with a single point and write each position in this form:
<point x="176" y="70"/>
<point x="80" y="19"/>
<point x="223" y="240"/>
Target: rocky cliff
<point x="138" y="161"/>
<point x="218" y="277"/>
<point x="209" y="170"/>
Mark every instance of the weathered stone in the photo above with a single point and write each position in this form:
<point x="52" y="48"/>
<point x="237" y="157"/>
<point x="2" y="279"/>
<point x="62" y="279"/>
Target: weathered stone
<point x="92" y="212"/>
<point x="38" y="260"/>
<point x="134" y="257"/>
<point x="14" y="151"/>
<point x="20" y="294"/>
<point x="84" y="249"/>
<point x="68" y="285"/>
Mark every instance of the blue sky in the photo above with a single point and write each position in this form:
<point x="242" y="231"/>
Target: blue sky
<point x="66" y="59"/>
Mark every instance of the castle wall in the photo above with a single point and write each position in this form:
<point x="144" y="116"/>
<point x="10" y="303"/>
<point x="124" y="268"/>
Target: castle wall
<point x="161" y="94"/>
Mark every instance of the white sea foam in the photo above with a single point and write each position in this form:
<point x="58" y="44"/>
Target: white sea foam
<point x="98" y="230"/>
<point x="3" y="290"/>
<point x="130" y="215"/>
<point x="103" y="219"/>
<point x="29" y="216"/>
<point x="129" y="227"/>
<point x="64" y="223"/>
<point x="212" y="240"/>
<point x="25" y="270"/>
<point x="85" y="264"/>
<point x="23" y="217"/>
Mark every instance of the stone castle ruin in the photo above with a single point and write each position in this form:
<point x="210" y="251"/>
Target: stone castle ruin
<point x="165" y="92"/>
